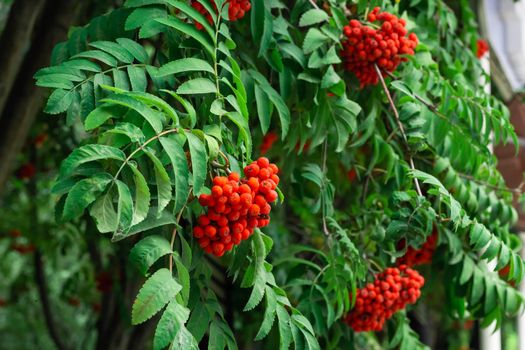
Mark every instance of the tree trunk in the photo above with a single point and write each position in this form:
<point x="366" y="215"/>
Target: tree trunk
<point x="24" y="100"/>
<point x="15" y="41"/>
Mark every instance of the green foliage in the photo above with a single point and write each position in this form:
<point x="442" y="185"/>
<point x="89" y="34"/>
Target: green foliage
<point x="164" y="107"/>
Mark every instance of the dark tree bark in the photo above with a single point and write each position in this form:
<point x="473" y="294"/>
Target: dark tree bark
<point x="15" y="41"/>
<point x="24" y="100"/>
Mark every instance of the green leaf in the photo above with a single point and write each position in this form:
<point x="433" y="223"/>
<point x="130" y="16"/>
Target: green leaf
<point x="142" y="196"/>
<point x="89" y="153"/>
<point x="163" y="182"/>
<point x="83" y="193"/>
<point x="263" y="108"/>
<point x="277" y="100"/>
<point x="114" y="49"/>
<point x="103" y="210"/>
<point x="197" y="86"/>
<point x="187" y="106"/>
<point x="184" y="65"/>
<point x="135" y="49"/>
<point x="199" y="162"/>
<point x="269" y="314"/>
<point x="130" y="130"/>
<point x="59" y="101"/>
<point x="99" y="116"/>
<point x="170" y="324"/>
<point x="244" y="129"/>
<point x="154" y="118"/>
<point x="191" y="12"/>
<point x="99" y="56"/>
<point x="152" y="100"/>
<point x="152" y="221"/>
<point x="285" y="330"/>
<point x="188" y="29"/>
<point x="158" y="290"/>
<point x="314" y="39"/>
<point x="147" y="251"/>
<point x="180" y="169"/>
<point x="313" y="16"/>
<point x="137" y="78"/>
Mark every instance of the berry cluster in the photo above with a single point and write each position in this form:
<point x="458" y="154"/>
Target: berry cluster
<point x="391" y="291"/>
<point x="366" y="46"/>
<point x="482" y="48"/>
<point x="236" y="10"/>
<point x="236" y="208"/>
<point x="267" y="142"/>
<point x="419" y="256"/>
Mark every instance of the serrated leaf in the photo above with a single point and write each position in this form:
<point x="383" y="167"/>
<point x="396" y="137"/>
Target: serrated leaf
<point x="314" y="39"/>
<point x="59" y="101"/>
<point x="147" y="251"/>
<point x="269" y="315"/>
<point x="130" y="130"/>
<point x="114" y="49"/>
<point x="277" y="100"/>
<point x="180" y="169"/>
<point x="170" y="324"/>
<point x="154" y="118"/>
<point x="163" y="182"/>
<point x="142" y="196"/>
<point x="263" y="108"/>
<point x="313" y="16"/>
<point x="124" y="206"/>
<point x="99" y="56"/>
<point x="89" y="153"/>
<point x="183" y="277"/>
<point x="104" y="214"/>
<point x="99" y="116"/>
<point x="188" y="29"/>
<point x="135" y="49"/>
<point x="285" y="330"/>
<point x="140" y="16"/>
<point x="199" y="162"/>
<point x="137" y="78"/>
<point x="83" y="193"/>
<point x="152" y="221"/>
<point x="184" y="65"/>
<point x="197" y="86"/>
<point x="158" y="290"/>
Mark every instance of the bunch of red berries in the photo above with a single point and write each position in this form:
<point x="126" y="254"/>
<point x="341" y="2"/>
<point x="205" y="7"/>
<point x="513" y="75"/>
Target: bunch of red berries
<point x="236" y="207"/>
<point x="366" y="46"/>
<point x="391" y="291"/>
<point x="236" y="10"/>
<point x="419" y="256"/>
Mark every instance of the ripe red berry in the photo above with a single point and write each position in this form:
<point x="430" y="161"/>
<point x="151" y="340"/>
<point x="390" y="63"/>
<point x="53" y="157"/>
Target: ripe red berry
<point x="236" y="208"/>
<point x="263" y="162"/>
<point x="251" y="170"/>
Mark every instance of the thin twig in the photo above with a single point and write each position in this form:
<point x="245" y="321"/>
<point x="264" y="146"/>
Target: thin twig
<point x="173" y="235"/>
<point x="399" y="124"/>
<point x="518" y="190"/>
<point x="314" y="4"/>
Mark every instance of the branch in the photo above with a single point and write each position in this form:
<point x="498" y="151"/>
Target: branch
<point x="312" y="2"/>
<point x="41" y="284"/>
<point x="399" y="124"/>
